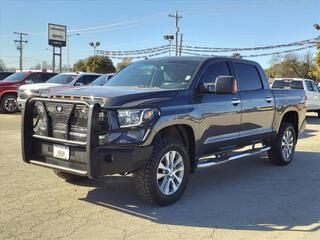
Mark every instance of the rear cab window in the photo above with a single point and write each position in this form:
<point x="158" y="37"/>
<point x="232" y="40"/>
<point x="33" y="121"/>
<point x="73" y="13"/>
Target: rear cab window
<point x="248" y="77"/>
<point x="287" y="84"/>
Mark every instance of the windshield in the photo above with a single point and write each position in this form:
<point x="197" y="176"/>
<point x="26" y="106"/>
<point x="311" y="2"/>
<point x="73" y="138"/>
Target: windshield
<point x="100" y="80"/>
<point x="16" y="77"/>
<point x="294" y="84"/>
<point x="166" y="74"/>
<point x="62" y="78"/>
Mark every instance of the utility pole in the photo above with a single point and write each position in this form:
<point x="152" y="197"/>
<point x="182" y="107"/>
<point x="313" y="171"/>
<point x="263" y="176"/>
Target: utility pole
<point x="177" y="18"/>
<point x="180" y="44"/>
<point x="20" y="44"/>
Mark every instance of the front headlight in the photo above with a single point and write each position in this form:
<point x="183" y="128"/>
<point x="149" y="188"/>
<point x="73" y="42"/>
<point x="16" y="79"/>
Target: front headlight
<point x="43" y="92"/>
<point x="136" y="117"/>
<point x="31" y="92"/>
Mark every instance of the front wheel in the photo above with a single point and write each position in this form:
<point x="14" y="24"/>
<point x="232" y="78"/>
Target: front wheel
<point x="9" y="104"/>
<point x="283" y="148"/>
<point x="166" y="174"/>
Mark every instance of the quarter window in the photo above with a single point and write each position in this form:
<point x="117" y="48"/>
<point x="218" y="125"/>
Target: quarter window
<point x="248" y="77"/>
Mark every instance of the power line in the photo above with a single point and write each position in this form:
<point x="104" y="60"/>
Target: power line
<point x="177" y="18"/>
<point x="20" y="44"/>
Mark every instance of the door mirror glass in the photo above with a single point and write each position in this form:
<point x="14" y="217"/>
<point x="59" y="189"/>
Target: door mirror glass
<point x="207" y="87"/>
<point x="226" y="85"/>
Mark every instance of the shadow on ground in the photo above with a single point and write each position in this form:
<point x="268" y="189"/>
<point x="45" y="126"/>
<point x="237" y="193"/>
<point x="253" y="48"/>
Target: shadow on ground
<point x="248" y="194"/>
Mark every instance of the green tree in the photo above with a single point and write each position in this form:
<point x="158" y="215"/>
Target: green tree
<point x="79" y="66"/>
<point x="2" y="65"/>
<point x="292" y="65"/>
<point x="125" y="62"/>
<point x="98" y="64"/>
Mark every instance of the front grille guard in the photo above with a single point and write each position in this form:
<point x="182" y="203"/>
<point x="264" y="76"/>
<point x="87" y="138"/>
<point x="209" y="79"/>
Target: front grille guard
<point x="27" y="136"/>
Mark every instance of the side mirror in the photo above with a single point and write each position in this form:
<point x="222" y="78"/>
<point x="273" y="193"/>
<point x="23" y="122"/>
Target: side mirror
<point x="28" y="81"/>
<point x="79" y="84"/>
<point x="226" y="85"/>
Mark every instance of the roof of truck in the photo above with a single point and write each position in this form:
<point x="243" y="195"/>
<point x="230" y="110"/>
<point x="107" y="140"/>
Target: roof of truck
<point x="202" y="58"/>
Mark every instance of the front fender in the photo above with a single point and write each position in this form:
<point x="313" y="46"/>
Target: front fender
<point x="171" y="116"/>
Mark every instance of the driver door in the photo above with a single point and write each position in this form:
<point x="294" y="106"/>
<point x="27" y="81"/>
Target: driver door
<point x="220" y="115"/>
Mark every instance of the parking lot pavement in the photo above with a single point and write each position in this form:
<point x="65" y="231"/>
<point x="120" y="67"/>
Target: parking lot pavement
<point x="245" y="199"/>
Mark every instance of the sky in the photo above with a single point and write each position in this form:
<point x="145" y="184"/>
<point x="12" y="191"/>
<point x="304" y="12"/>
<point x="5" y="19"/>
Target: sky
<point x="130" y="25"/>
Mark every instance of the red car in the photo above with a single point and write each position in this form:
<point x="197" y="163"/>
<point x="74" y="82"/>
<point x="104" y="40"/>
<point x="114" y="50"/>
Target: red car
<point x="10" y="85"/>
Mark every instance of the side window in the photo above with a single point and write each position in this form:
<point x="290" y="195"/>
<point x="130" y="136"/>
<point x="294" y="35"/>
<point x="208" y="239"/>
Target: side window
<point x="34" y="77"/>
<point x="87" y="79"/>
<point x="214" y="70"/>
<point x="309" y="85"/>
<point x="248" y="77"/>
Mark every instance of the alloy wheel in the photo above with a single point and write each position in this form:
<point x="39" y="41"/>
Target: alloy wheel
<point x="287" y="144"/>
<point x="170" y="172"/>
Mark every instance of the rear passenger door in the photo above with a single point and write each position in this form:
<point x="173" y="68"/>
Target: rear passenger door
<point x="258" y="107"/>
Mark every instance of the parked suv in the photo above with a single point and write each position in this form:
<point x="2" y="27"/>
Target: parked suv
<point x="161" y="119"/>
<point x="309" y="86"/>
<point x="10" y="85"/>
<point x="3" y="75"/>
<point x="56" y="83"/>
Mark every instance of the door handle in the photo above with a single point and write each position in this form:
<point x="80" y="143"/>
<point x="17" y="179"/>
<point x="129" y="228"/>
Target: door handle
<point x="269" y="99"/>
<point x="235" y="101"/>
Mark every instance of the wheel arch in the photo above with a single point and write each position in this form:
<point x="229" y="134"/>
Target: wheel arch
<point x="184" y="133"/>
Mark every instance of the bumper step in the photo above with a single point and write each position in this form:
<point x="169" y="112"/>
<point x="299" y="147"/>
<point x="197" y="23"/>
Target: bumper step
<point x="63" y="169"/>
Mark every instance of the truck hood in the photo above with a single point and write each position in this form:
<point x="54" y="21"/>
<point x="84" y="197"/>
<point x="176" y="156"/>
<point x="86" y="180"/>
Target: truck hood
<point x="37" y="86"/>
<point x="118" y="96"/>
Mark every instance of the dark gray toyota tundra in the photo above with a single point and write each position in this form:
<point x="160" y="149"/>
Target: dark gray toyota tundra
<point x="162" y="119"/>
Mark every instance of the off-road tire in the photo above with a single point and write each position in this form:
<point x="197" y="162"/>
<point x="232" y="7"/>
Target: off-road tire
<point x="146" y="179"/>
<point x="68" y="176"/>
<point x="275" y="154"/>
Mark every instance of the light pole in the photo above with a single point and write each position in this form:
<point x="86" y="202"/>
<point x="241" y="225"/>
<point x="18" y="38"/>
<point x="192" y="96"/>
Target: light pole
<point x="68" y="57"/>
<point x="317" y="27"/>
<point x="169" y="38"/>
<point x="94" y="45"/>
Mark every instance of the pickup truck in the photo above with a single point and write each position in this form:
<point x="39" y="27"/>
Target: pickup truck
<point x="162" y="119"/>
<point x="310" y="87"/>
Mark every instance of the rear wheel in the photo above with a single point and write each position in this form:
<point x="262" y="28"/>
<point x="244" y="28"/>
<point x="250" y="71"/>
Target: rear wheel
<point x="68" y="176"/>
<point x="9" y="103"/>
<point x="166" y="174"/>
<point x="283" y="148"/>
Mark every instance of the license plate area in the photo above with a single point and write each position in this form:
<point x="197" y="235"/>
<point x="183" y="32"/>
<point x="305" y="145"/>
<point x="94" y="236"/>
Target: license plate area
<point x="61" y="152"/>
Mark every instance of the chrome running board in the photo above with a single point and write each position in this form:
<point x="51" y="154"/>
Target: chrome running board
<point x="220" y="159"/>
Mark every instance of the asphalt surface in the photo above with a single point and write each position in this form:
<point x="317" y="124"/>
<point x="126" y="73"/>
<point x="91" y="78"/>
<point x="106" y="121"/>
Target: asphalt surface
<point x="244" y="199"/>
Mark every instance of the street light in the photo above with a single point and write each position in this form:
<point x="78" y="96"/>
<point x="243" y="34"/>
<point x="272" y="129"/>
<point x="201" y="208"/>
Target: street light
<point x="68" y="57"/>
<point x="169" y="38"/>
<point x="316" y="26"/>
<point x="94" y="45"/>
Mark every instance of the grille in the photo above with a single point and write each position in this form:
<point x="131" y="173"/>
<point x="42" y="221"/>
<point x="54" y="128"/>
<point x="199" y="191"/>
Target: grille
<point x="64" y="120"/>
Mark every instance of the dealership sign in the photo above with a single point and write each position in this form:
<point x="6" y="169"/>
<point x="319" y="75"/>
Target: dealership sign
<point x="57" y="35"/>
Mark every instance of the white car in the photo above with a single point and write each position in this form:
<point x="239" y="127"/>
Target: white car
<point x="54" y="84"/>
<point x="309" y="86"/>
